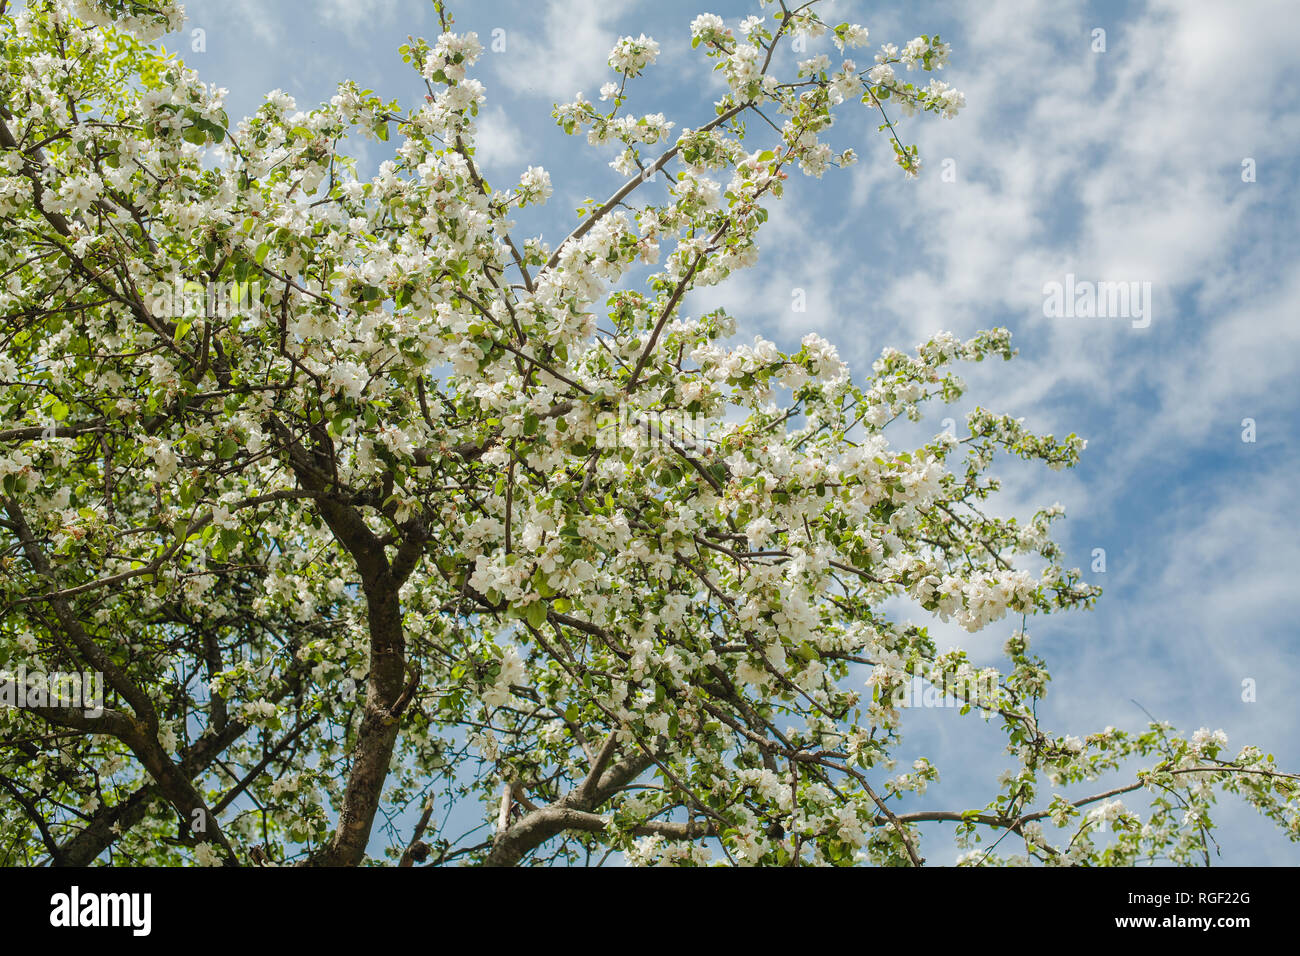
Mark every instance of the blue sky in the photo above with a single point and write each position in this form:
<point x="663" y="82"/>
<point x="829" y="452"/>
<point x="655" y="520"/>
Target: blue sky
<point x="1123" y="165"/>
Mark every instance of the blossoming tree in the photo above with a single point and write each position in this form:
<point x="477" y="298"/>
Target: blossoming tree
<point x="365" y="508"/>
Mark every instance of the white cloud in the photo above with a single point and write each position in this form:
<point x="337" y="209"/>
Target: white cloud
<point x="353" y="15"/>
<point x="261" y="19"/>
<point x="498" y="143"/>
<point x="565" y="53"/>
<point x="1115" y="166"/>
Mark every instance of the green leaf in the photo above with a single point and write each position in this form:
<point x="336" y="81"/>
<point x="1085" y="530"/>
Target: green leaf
<point x="537" y="613"/>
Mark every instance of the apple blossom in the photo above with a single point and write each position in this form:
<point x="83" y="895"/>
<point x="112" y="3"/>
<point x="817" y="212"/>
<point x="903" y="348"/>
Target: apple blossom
<point x="445" y="516"/>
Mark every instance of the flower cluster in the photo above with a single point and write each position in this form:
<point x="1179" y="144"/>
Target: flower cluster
<point x="630" y="56"/>
<point x="495" y="516"/>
